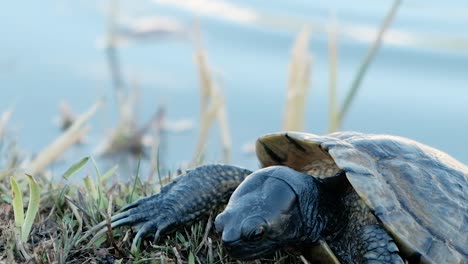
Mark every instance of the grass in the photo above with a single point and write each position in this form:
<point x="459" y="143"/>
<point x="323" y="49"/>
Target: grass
<point x="68" y="209"/>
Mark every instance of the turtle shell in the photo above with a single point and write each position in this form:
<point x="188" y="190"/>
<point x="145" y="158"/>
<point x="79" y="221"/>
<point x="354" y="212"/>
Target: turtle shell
<point x="420" y="194"/>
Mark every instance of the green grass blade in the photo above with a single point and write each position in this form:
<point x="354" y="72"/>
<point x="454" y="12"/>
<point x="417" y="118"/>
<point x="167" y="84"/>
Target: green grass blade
<point x="367" y="61"/>
<point x="91" y="187"/>
<point x="33" y="208"/>
<point x="108" y="174"/>
<point x="135" y="182"/>
<point x="17" y="205"/>
<point x="191" y="258"/>
<point x="75" y="168"/>
<point x="98" y="186"/>
<point x="158" y="169"/>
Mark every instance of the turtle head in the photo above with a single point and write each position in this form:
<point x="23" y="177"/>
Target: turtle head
<point x="270" y="210"/>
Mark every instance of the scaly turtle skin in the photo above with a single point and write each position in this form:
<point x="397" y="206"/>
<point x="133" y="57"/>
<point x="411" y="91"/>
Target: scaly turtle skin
<point x="371" y="199"/>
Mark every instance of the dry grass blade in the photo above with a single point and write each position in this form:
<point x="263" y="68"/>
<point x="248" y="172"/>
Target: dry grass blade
<point x="72" y="135"/>
<point x="176" y="253"/>
<point x="75" y="212"/>
<point x="4" y="118"/>
<point x="298" y="84"/>
<point x="304" y="260"/>
<point x="204" y="74"/>
<point x="367" y="61"/>
<point x="224" y="130"/>
<point x="333" y="74"/>
<point x="213" y="107"/>
<point x="208" y="108"/>
<point x="207" y="119"/>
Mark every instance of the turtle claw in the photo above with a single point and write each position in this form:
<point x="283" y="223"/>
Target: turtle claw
<point x="136" y="214"/>
<point x="100" y="229"/>
<point x="145" y="229"/>
<point x="182" y="201"/>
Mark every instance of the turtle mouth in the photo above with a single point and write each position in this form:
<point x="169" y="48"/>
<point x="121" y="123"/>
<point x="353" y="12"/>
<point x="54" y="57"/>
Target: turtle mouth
<point x="246" y="251"/>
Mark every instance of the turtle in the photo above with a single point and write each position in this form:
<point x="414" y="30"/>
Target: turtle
<point x="345" y="197"/>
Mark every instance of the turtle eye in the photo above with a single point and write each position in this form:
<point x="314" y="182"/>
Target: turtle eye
<point x="257" y="234"/>
<point x="253" y="229"/>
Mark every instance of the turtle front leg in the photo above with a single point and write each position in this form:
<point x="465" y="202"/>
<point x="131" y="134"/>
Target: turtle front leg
<point x="376" y="246"/>
<point x="358" y="236"/>
<point x="182" y="201"/>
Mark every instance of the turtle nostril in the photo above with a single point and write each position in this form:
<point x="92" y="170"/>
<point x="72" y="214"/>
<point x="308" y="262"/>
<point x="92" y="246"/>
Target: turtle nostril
<point x="218" y="228"/>
<point x="219" y="224"/>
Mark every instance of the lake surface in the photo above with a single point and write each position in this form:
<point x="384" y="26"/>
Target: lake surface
<point x="417" y="86"/>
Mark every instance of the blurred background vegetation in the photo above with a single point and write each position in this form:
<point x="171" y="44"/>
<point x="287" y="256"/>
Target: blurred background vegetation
<point x="143" y="58"/>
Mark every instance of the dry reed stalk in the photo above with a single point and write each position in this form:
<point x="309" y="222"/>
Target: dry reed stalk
<point x="333" y="74"/>
<point x="4" y="119"/>
<point x="207" y="110"/>
<point x="213" y="107"/>
<point x="224" y="130"/>
<point x="367" y="61"/>
<point x="204" y="73"/>
<point x="298" y="83"/>
<point x="208" y="117"/>
<point x="72" y="135"/>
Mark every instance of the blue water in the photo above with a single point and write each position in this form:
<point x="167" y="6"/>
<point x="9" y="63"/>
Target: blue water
<point x="50" y="52"/>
